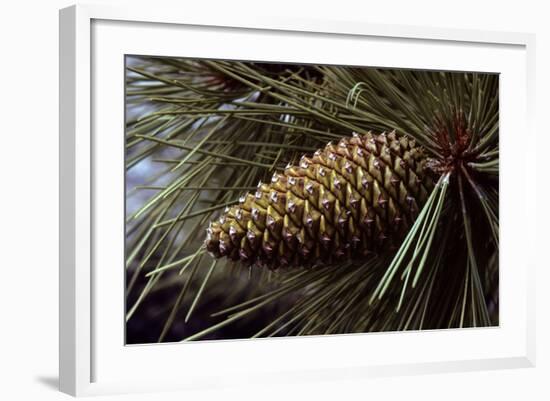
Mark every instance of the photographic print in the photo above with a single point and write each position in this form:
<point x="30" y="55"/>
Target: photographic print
<point x="267" y="199"/>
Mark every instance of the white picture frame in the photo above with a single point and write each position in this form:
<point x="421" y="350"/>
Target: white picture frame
<point x="91" y="361"/>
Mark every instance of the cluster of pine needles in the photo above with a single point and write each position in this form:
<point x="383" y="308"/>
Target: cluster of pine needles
<point x="202" y="133"/>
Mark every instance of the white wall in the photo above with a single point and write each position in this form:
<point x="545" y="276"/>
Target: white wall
<point x="28" y="197"/>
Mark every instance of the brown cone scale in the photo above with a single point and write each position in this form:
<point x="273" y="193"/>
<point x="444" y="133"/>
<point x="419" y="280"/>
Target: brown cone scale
<point x="348" y="200"/>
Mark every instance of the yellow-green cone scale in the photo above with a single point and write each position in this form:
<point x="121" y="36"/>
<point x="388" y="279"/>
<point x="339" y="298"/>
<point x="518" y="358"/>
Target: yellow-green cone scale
<point x="347" y="200"/>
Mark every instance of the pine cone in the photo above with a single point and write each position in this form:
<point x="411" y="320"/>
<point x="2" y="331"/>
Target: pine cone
<point x="346" y="201"/>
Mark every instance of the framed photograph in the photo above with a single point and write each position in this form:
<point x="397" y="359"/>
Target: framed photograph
<point x="272" y="199"/>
